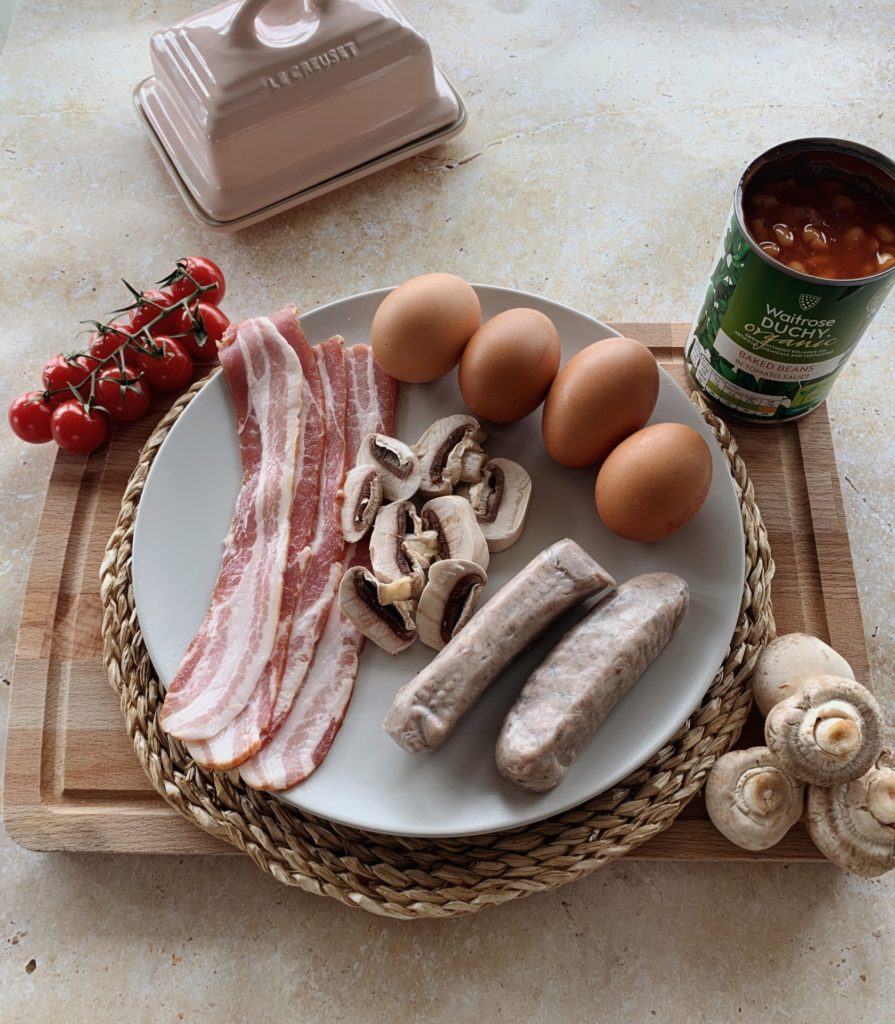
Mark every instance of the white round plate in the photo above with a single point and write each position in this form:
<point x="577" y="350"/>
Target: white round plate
<point x="367" y="780"/>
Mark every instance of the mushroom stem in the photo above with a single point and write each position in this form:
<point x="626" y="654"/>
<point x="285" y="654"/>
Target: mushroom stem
<point x="838" y="737"/>
<point x="762" y="791"/>
<point x="881" y="797"/>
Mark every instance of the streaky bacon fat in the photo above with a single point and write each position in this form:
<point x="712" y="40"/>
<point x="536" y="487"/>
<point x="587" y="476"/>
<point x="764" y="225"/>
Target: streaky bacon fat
<point x="227" y="657"/>
<point x="324" y="570"/>
<point x="248" y="731"/>
<point x="306" y="735"/>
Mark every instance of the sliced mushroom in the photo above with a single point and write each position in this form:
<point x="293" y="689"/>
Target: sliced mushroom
<point x="500" y="502"/>
<point x="397" y="464"/>
<point x="829" y="731"/>
<point x="448" y="600"/>
<point x="787" y="662"/>
<point x="389" y="624"/>
<point x="459" y="534"/>
<point x="361" y="500"/>
<point x="450" y="450"/>
<point x="750" y="800"/>
<point x="853" y="823"/>
<point x="394" y="562"/>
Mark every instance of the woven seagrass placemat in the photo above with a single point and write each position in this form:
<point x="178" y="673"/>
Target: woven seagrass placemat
<point x="410" y="878"/>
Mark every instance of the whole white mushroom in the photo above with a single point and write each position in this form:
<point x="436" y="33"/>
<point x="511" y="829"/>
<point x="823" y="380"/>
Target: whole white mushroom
<point x="751" y="800"/>
<point x="853" y="823"/>
<point x="787" y="662"/>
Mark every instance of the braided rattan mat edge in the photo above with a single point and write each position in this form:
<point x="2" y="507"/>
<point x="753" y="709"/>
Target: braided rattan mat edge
<point x="408" y="878"/>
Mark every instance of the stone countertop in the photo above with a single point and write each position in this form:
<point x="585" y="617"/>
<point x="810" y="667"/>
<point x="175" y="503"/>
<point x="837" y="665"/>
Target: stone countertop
<point x="603" y="145"/>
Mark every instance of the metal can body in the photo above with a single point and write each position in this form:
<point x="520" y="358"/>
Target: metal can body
<point x="770" y="341"/>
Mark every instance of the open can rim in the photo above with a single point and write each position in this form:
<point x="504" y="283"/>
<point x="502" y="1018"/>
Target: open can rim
<point x="814" y="145"/>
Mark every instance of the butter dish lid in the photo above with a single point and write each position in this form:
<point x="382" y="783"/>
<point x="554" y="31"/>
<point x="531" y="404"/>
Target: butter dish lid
<point x="257" y="105"/>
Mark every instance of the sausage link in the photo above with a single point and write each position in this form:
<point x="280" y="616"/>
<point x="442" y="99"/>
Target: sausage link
<point x="567" y="697"/>
<point x="426" y="710"/>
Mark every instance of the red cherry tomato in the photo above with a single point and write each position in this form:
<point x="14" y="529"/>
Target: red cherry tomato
<point x="29" y="416"/>
<point x="152" y="304"/>
<point x="105" y="342"/>
<point x="62" y="372"/>
<point x="214" y="323"/>
<point x="124" y="396"/>
<point x="168" y="367"/>
<point x="78" y="429"/>
<point x="203" y="271"/>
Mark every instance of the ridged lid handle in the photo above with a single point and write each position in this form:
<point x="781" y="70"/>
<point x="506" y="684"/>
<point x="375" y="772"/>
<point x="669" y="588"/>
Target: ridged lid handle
<point x="242" y="27"/>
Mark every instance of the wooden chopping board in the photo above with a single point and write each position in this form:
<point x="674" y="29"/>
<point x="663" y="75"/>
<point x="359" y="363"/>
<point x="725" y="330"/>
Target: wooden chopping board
<point x="72" y="779"/>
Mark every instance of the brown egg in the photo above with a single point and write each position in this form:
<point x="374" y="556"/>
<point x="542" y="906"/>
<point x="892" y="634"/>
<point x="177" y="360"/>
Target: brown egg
<point x="654" y="482"/>
<point x="420" y="329"/>
<point x="509" y="364"/>
<point x="604" y="393"/>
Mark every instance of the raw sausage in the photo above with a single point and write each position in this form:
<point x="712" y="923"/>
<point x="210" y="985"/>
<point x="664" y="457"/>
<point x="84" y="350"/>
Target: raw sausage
<point x="567" y="697"/>
<point x="426" y="710"/>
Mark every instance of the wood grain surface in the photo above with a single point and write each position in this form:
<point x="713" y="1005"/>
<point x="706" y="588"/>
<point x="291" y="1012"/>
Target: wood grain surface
<point x="72" y="780"/>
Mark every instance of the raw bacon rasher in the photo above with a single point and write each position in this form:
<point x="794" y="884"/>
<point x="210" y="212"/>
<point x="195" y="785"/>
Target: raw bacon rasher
<point x="228" y="655"/>
<point x="306" y="735"/>
<point x="247" y="732"/>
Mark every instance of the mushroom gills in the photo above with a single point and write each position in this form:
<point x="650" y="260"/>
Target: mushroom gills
<point x="450" y="451"/>
<point x="361" y="501"/>
<point x="750" y="800"/>
<point x="394" y="561"/>
<point x="396" y="462"/>
<point x="853" y="823"/>
<point x="389" y="624"/>
<point x="500" y="502"/>
<point x="448" y="600"/>
<point x="459" y="535"/>
<point x="829" y="731"/>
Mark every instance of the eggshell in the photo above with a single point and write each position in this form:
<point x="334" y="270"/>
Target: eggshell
<point x="420" y="329"/>
<point x="509" y="364"/>
<point x="604" y="393"/>
<point x="654" y="482"/>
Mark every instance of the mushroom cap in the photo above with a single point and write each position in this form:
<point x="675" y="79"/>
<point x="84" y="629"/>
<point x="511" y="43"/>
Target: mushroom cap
<point x="361" y="501"/>
<point x="459" y="533"/>
<point x="853" y="823"/>
<point x="389" y="624"/>
<point x="829" y="731"/>
<point x="500" y="501"/>
<point x="787" y="662"/>
<point x="449" y="450"/>
<point x="448" y="600"/>
<point x="396" y="462"/>
<point x="393" y="560"/>
<point x="750" y="800"/>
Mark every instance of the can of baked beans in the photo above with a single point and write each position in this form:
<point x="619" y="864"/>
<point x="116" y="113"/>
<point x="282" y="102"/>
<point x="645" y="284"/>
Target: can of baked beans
<point x="806" y="261"/>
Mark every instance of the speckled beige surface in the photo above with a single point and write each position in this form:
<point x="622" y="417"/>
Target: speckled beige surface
<point x="603" y="144"/>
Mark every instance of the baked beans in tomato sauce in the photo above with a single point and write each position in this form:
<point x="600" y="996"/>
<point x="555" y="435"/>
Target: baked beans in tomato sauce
<point x="822" y="226"/>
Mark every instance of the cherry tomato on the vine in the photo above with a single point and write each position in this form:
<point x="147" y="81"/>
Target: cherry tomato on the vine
<point x="78" y="429"/>
<point x="29" y="416"/>
<point x="105" y="342"/>
<point x="152" y="304"/>
<point x="124" y="396"/>
<point x="168" y="367"/>
<point x="203" y="271"/>
<point x="214" y="323"/>
<point x="62" y="372"/>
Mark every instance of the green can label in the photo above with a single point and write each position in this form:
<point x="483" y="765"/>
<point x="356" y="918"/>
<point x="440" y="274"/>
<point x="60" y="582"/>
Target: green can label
<point x="768" y="343"/>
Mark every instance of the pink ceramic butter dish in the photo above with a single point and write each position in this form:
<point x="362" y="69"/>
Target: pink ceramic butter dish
<point x="259" y="105"/>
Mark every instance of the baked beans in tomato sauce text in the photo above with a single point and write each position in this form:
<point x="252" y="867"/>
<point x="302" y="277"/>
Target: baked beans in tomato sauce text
<point x="820" y="225"/>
